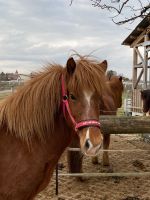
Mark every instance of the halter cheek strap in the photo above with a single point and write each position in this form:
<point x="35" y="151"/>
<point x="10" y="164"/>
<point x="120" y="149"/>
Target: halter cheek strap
<point x="65" y="105"/>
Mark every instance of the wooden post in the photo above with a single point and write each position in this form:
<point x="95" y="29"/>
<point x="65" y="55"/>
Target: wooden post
<point x="134" y="73"/>
<point x="124" y="124"/>
<point x="57" y="186"/>
<point x="145" y="63"/>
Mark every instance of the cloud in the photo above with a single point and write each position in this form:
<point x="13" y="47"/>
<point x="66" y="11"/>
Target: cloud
<point x="37" y="32"/>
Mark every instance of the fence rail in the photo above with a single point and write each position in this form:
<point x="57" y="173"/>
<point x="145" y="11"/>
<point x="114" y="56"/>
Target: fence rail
<point x="116" y="125"/>
<point x="125" y="124"/>
<point x="113" y="150"/>
<point x="114" y="174"/>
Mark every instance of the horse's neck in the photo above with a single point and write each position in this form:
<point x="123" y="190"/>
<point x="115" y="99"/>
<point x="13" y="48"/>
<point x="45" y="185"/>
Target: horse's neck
<point x="62" y="133"/>
<point x="112" y="92"/>
<point x="108" y="107"/>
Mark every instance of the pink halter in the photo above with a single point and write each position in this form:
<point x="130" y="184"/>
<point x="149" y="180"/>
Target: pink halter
<point x="65" y="104"/>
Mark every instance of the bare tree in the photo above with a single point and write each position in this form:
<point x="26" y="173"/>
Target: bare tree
<point x="124" y="10"/>
<point x="111" y="73"/>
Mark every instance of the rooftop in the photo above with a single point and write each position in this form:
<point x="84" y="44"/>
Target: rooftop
<point x="145" y="23"/>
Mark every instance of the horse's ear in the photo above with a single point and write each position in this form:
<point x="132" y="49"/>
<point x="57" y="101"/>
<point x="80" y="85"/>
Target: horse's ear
<point x="120" y="78"/>
<point x="104" y="65"/>
<point x="71" y="65"/>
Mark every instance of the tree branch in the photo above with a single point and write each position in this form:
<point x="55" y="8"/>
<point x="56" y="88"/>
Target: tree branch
<point x="140" y="11"/>
<point x="121" y="7"/>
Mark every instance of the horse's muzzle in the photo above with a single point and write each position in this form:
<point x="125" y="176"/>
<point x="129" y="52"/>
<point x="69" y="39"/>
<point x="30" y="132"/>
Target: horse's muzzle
<point x="90" y="140"/>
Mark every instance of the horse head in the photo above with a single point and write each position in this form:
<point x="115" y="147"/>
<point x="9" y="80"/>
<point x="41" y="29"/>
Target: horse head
<point x="84" y="83"/>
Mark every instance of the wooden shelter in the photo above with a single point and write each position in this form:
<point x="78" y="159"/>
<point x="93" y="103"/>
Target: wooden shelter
<point x="139" y="40"/>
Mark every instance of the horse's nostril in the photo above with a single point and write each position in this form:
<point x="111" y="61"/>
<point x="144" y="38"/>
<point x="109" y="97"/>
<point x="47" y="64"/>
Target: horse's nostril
<point x="87" y="144"/>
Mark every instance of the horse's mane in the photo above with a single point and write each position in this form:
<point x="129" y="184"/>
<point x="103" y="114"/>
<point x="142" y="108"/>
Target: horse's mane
<point x="31" y="111"/>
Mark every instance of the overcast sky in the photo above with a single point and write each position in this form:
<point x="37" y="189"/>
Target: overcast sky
<point x="33" y="33"/>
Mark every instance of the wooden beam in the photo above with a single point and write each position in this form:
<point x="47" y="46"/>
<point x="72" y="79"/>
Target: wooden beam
<point x="133" y="37"/>
<point x="139" y="39"/>
<point x="124" y="124"/>
<point x="139" y="78"/>
<point x="145" y="63"/>
<point x="134" y="70"/>
<point x="139" y="54"/>
<point x="139" y="65"/>
<point x="140" y="29"/>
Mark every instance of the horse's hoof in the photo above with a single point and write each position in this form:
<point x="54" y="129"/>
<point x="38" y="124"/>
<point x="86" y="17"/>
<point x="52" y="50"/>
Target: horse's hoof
<point x="95" y="160"/>
<point x="110" y="169"/>
<point x="106" y="163"/>
<point x="81" y="178"/>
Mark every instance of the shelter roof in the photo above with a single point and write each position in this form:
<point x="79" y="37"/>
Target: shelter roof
<point x="137" y="31"/>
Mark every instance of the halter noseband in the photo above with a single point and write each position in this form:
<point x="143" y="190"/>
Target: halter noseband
<point x="66" y="108"/>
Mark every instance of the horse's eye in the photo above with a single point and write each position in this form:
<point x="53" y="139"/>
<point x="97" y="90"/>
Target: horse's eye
<point x="72" y="97"/>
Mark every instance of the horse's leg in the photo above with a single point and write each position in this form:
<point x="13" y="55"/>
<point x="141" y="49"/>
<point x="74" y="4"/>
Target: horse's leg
<point x="95" y="160"/>
<point x="106" y="142"/>
<point x="75" y="157"/>
<point x="74" y="161"/>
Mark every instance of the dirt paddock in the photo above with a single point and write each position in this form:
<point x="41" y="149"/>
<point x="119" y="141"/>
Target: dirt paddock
<point x="107" y="188"/>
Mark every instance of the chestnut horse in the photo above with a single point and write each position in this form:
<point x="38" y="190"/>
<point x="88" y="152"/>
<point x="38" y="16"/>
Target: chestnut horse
<point x="145" y="96"/>
<point x="111" y="101"/>
<point x="36" y="124"/>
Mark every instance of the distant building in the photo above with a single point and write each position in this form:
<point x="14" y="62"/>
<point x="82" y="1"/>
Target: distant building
<point x="13" y="76"/>
<point x="9" y="76"/>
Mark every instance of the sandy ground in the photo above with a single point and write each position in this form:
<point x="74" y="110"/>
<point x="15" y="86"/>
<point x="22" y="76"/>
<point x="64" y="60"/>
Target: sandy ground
<point x="107" y="188"/>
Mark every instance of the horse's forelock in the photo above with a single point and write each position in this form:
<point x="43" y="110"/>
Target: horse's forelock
<point x="88" y="75"/>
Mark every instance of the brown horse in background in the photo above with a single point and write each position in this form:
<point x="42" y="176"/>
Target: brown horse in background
<point x="34" y="131"/>
<point x="111" y="101"/>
